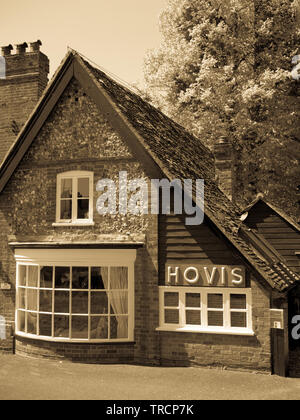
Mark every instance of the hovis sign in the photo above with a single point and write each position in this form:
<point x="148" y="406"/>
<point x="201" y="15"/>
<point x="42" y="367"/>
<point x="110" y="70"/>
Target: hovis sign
<point x="205" y="275"/>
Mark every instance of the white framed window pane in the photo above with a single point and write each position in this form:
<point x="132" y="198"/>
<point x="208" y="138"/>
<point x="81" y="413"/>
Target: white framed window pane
<point x="61" y="326"/>
<point x="118" y="278"/>
<point x="80" y="278"/>
<point x="171" y="299"/>
<point x="193" y="317"/>
<point x="32" y="299"/>
<point x="193" y="300"/>
<point x="83" y="187"/>
<point x="66" y="209"/>
<point x="83" y="208"/>
<point x="46" y="277"/>
<point x="61" y="302"/>
<point x="215" y="318"/>
<point x="31" y="323"/>
<point x="45" y="325"/>
<point x="215" y="300"/>
<point x="22" y="299"/>
<point x="79" y="327"/>
<point x="119" y="302"/>
<point x="66" y="188"/>
<point x="99" y="327"/>
<point x="99" y="278"/>
<point x="80" y="303"/>
<point x="33" y="273"/>
<point x="22" y="275"/>
<point x="99" y="303"/>
<point x="62" y="277"/>
<point x="118" y="327"/>
<point x="172" y="316"/>
<point x="239" y="319"/>
<point x="45" y="300"/>
<point x="238" y="301"/>
<point x="21" y="321"/>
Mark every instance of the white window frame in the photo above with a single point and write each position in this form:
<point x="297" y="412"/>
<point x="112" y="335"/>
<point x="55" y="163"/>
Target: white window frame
<point x="74" y="175"/>
<point x="73" y="258"/>
<point x="205" y="328"/>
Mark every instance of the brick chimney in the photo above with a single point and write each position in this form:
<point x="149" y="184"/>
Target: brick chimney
<point x="26" y="77"/>
<point x="224" y="166"/>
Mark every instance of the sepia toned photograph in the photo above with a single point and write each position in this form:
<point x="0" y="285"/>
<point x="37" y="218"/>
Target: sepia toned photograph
<point x="150" y="203"/>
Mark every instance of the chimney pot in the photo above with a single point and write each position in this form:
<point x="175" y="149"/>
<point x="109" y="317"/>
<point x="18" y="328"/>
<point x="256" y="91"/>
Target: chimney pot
<point x="21" y="48"/>
<point x="6" y="50"/>
<point x="35" y="46"/>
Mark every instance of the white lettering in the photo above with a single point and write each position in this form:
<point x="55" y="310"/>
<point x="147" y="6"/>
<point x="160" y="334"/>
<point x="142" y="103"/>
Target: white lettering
<point x="210" y="277"/>
<point x="195" y="279"/>
<point x="234" y="273"/>
<point x="174" y="274"/>
<point x="296" y="329"/>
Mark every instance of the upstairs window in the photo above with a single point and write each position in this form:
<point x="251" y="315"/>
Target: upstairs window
<point x="74" y="197"/>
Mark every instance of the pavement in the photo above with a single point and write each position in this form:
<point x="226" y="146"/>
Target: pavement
<point x="33" y="379"/>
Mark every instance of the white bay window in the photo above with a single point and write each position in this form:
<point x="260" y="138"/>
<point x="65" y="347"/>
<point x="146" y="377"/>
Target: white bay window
<point x="76" y="295"/>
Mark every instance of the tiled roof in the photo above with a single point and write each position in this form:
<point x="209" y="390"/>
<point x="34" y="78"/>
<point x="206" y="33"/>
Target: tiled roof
<point x="180" y="155"/>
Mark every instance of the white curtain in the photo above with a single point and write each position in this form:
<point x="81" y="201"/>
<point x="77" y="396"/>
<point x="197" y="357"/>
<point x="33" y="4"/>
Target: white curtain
<point x="119" y="298"/>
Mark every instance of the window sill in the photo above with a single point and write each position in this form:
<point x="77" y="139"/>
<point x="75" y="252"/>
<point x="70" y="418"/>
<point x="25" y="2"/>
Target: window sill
<point x="73" y="340"/>
<point x="231" y="331"/>
<point x="73" y="224"/>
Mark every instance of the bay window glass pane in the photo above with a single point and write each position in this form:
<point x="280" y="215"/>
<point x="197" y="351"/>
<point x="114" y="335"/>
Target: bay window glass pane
<point x="45" y="325"/>
<point x="66" y="209"/>
<point x="22" y="298"/>
<point x="66" y="188"/>
<point x="61" y="302"/>
<point x="215" y="318"/>
<point x="46" y="275"/>
<point x="33" y="273"/>
<point x="62" y="277"/>
<point x="99" y="278"/>
<point x="83" y="187"/>
<point x="99" y="303"/>
<point x="118" y="327"/>
<point x="237" y="301"/>
<point x="80" y="278"/>
<point x="22" y="275"/>
<point x="61" y="326"/>
<point x="171" y="299"/>
<point x="119" y="302"/>
<point x="215" y="301"/>
<point x="193" y="317"/>
<point x="45" y="300"/>
<point x="239" y="319"/>
<point x="118" y="278"/>
<point x="99" y="327"/>
<point x="192" y="300"/>
<point x="31" y="322"/>
<point x="171" y="316"/>
<point x="83" y="209"/>
<point x="21" y="321"/>
<point x="79" y="327"/>
<point x="32" y="299"/>
<point x="80" y="303"/>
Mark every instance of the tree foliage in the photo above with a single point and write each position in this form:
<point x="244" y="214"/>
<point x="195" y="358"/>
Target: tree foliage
<point x="224" y="70"/>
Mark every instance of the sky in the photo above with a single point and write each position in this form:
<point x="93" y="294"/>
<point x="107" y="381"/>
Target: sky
<point x="115" y="34"/>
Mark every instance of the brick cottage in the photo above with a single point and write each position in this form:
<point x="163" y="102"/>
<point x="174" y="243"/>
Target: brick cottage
<point x="126" y="288"/>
